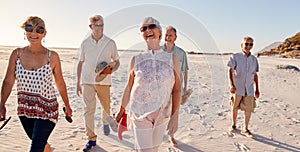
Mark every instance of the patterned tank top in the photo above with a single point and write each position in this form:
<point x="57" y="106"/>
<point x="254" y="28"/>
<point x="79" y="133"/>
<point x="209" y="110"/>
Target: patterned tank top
<point x="36" y="93"/>
<point x="153" y="82"/>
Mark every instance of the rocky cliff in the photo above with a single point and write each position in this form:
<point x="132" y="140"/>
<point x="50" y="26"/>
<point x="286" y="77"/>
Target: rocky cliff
<point x="290" y="48"/>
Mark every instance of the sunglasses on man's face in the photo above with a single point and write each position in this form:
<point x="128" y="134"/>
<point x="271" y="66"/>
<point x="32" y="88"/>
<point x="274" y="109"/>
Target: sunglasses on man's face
<point x="249" y="44"/>
<point x="151" y="26"/>
<point x="98" y="25"/>
<point x="38" y="29"/>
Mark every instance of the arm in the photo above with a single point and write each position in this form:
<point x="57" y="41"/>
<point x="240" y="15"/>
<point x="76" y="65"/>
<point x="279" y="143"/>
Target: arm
<point x="185" y="80"/>
<point x="115" y="68"/>
<point x="231" y="83"/>
<point x="79" y="70"/>
<point x="59" y="81"/>
<point x="185" y="69"/>
<point x="256" y="85"/>
<point x="127" y="91"/>
<point x="176" y="99"/>
<point x="176" y="92"/>
<point x="8" y="82"/>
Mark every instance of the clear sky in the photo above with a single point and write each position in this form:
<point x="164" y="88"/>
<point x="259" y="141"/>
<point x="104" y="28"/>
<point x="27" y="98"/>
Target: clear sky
<point x="205" y="25"/>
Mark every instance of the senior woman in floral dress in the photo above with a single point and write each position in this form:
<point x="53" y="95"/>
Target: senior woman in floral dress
<point x="153" y="89"/>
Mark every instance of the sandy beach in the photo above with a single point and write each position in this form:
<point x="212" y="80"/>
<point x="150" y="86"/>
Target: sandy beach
<point x="204" y="119"/>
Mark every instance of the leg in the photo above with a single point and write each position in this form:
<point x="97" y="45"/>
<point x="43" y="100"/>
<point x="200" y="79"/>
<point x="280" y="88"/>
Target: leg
<point x="159" y="131"/>
<point x="247" y="119"/>
<point x="248" y="105"/>
<point x="143" y="135"/>
<point x="89" y="110"/>
<point x="47" y="148"/>
<point x="103" y="93"/>
<point x="172" y="139"/>
<point x="235" y="101"/>
<point x="28" y="125"/>
<point x="234" y="116"/>
<point x="41" y="132"/>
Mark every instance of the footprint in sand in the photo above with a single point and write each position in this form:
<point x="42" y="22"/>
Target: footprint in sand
<point x="170" y="149"/>
<point x="241" y="147"/>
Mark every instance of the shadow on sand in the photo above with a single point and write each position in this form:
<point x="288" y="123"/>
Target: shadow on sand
<point x="275" y="143"/>
<point x="97" y="148"/>
<point x="186" y="148"/>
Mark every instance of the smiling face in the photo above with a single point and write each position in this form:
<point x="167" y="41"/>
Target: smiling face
<point x="96" y="25"/>
<point x="151" y="31"/>
<point x="247" y="45"/>
<point x="34" y="28"/>
<point x="97" y="28"/>
<point x="170" y="36"/>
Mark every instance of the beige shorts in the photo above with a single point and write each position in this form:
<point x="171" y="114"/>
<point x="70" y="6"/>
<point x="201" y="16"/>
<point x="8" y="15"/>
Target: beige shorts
<point x="245" y="103"/>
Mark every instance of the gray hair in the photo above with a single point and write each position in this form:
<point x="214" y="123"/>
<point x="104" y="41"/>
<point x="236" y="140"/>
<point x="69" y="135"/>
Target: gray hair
<point x="247" y="38"/>
<point x="172" y="28"/>
<point x="95" y="18"/>
<point x="151" y="20"/>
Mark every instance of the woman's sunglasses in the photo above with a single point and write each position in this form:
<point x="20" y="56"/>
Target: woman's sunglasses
<point x="151" y="26"/>
<point x="249" y="44"/>
<point x="38" y="29"/>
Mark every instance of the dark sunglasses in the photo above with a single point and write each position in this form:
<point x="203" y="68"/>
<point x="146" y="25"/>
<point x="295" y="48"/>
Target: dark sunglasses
<point x="98" y="25"/>
<point x="249" y="44"/>
<point x="151" y="26"/>
<point x="38" y="29"/>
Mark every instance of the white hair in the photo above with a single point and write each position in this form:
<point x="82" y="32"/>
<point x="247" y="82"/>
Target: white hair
<point x="151" y="20"/>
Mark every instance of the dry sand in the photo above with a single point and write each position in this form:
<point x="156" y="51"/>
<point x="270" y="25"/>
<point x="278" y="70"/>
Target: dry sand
<point x="204" y="119"/>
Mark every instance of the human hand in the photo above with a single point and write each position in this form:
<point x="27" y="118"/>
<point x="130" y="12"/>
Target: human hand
<point x="257" y="94"/>
<point x="173" y="124"/>
<point x="107" y="70"/>
<point x="68" y="113"/>
<point x="232" y="89"/>
<point x="120" y="114"/>
<point x="79" y="90"/>
<point x="2" y="112"/>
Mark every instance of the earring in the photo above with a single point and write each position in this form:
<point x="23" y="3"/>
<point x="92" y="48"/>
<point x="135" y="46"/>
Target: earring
<point x="43" y="40"/>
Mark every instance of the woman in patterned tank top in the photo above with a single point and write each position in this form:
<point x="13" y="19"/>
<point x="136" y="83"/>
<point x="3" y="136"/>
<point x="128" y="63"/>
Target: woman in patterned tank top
<point x="33" y="67"/>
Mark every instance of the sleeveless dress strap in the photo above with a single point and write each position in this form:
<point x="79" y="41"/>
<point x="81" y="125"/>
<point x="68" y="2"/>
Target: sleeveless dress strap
<point x="49" y="55"/>
<point x="19" y="52"/>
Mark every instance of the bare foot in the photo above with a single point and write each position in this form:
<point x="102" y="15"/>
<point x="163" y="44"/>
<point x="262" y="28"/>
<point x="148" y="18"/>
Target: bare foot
<point x="173" y="142"/>
<point x="47" y="148"/>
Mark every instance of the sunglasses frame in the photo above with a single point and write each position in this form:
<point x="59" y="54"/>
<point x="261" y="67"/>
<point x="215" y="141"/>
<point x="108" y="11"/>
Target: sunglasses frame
<point x="98" y="25"/>
<point x="38" y="29"/>
<point x="248" y="44"/>
<point x="150" y="26"/>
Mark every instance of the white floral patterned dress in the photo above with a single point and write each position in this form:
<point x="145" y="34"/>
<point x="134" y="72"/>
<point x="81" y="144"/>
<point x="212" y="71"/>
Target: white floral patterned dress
<point x="153" y="84"/>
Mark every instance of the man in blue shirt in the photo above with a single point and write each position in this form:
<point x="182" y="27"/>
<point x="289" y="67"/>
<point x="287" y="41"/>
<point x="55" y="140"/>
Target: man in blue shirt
<point x="243" y="68"/>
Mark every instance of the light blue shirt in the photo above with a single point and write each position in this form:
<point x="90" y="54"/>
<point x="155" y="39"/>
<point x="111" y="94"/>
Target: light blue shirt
<point x="182" y="58"/>
<point x="244" y="68"/>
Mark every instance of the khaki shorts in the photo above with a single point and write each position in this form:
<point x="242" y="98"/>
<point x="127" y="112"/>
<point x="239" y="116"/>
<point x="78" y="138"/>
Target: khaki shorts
<point x="245" y="103"/>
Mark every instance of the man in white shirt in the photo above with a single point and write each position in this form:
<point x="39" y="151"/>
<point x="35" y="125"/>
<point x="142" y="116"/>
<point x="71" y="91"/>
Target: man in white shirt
<point x="95" y="49"/>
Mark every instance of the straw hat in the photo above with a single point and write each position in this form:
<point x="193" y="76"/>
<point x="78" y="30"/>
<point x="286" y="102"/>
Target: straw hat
<point x="186" y="95"/>
<point x="100" y="67"/>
